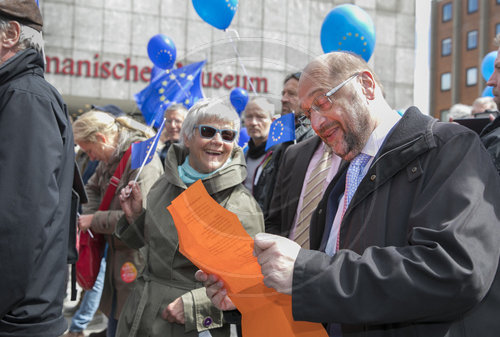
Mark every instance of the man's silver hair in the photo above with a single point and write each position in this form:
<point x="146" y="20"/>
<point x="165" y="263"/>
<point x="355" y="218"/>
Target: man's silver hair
<point x="29" y="37"/>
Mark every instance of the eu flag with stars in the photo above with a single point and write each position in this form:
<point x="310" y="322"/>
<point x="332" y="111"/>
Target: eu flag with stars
<point x="282" y="130"/>
<point x="147" y="148"/>
<point x="182" y="85"/>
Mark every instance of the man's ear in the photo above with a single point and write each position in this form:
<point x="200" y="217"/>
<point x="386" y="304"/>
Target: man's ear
<point x="368" y="83"/>
<point x="10" y="36"/>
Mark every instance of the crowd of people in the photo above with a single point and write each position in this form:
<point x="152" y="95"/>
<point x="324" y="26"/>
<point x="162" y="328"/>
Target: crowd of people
<point x="376" y="223"/>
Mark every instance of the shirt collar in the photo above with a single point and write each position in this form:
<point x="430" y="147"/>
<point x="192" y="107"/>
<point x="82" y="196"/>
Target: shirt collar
<point x="378" y="135"/>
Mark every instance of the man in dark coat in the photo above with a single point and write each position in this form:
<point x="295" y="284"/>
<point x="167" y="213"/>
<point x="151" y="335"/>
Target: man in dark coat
<point x="405" y="240"/>
<point x="490" y="136"/>
<point x="36" y="176"/>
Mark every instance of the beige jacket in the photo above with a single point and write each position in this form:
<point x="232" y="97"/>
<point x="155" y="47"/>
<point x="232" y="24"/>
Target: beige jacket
<point x="104" y="222"/>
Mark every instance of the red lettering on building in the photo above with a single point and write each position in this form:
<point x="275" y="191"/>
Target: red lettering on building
<point x="128" y="71"/>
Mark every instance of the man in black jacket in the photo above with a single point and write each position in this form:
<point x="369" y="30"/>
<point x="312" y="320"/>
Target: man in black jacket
<point x="490" y="136"/>
<point x="405" y="240"/>
<point x="36" y="176"/>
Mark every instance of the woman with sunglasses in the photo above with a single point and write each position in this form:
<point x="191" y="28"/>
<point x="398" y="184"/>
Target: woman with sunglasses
<point x="167" y="300"/>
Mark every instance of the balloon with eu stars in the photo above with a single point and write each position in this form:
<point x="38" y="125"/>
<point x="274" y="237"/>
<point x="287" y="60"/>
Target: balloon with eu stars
<point x="487" y="92"/>
<point x="162" y="51"/>
<point x="488" y="65"/>
<point x="239" y="99"/>
<point x="348" y="28"/>
<point x="218" y="13"/>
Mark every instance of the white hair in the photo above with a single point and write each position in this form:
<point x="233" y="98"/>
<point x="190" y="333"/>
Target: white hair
<point x="28" y="37"/>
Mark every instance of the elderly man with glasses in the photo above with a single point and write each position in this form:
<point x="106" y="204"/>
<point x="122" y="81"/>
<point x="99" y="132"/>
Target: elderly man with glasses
<point x="405" y="239"/>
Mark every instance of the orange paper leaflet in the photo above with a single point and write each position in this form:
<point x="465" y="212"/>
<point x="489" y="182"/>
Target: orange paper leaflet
<point x="215" y="241"/>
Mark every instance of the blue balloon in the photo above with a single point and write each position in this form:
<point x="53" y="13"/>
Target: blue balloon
<point x="244" y="137"/>
<point x="239" y="99"/>
<point x="218" y="13"/>
<point x="162" y="51"/>
<point x="488" y="92"/>
<point x="348" y="28"/>
<point x="488" y="65"/>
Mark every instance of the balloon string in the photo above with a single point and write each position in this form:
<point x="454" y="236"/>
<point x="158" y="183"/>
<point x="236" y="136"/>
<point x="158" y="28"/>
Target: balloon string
<point x="238" y="56"/>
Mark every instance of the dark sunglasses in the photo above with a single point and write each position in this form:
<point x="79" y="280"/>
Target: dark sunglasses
<point x="208" y="132"/>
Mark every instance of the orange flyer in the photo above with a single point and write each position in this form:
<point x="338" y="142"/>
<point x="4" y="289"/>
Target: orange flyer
<point x="215" y="241"/>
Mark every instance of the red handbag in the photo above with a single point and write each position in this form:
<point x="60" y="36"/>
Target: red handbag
<point x="91" y="249"/>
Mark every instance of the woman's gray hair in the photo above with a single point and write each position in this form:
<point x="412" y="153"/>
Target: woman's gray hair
<point x="206" y="111"/>
<point x="29" y="37"/>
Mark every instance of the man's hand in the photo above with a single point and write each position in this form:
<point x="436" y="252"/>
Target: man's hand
<point x="174" y="312"/>
<point x="276" y="256"/>
<point x="215" y="291"/>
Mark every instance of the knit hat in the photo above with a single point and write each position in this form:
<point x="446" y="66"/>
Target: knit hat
<point x="26" y="12"/>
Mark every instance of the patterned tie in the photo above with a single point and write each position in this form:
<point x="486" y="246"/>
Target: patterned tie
<point x="353" y="178"/>
<point x="312" y="196"/>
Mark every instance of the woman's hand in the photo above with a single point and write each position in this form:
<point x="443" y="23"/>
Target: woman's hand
<point x="131" y="201"/>
<point x="84" y="221"/>
<point x="174" y="312"/>
<point x="215" y="290"/>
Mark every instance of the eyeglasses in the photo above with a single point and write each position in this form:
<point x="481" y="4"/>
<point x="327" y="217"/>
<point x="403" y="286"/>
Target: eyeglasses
<point x="323" y="103"/>
<point x="208" y="132"/>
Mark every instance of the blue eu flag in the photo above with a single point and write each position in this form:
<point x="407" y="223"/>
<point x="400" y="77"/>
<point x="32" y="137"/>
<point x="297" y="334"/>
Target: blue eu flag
<point x="141" y="150"/>
<point x="182" y="85"/>
<point x="282" y="130"/>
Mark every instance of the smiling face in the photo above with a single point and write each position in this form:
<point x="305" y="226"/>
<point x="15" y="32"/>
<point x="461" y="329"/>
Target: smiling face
<point x="208" y="155"/>
<point x="346" y="125"/>
<point x="173" y="123"/>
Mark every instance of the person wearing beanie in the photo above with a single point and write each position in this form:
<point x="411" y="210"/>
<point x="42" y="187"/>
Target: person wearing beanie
<point x="35" y="203"/>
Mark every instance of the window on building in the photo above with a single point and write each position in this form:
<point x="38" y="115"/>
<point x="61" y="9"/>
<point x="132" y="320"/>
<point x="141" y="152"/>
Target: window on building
<point x="472" y="6"/>
<point x="446" y="47"/>
<point x="471" y="78"/>
<point x="447" y="12"/>
<point x="497" y="27"/>
<point x="472" y="39"/>
<point x="445" y="81"/>
<point x="498" y="2"/>
<point x="444" y="115"/>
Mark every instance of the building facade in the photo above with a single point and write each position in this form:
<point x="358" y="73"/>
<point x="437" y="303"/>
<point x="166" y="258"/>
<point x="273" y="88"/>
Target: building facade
<point x="462" y="34"/>
<point x="96" y="50"/>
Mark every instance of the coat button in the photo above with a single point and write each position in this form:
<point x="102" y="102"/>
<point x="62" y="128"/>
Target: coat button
<point x="207" y="322"/>
<point x="414" y="169"/>
<point x="373" y="177"/>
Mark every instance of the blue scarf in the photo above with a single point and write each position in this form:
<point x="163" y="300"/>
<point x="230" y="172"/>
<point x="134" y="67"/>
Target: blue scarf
<point x="189" y="175"/>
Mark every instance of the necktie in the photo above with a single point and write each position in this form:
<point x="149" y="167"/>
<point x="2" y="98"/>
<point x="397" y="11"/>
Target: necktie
<point x="353" y="178"/>
<point x="312" y="195"/>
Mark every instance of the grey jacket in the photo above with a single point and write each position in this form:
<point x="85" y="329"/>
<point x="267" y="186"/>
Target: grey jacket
<point x="104" y="222"/>
<point x="419" y="241"/>
<point x="168" y="274"/>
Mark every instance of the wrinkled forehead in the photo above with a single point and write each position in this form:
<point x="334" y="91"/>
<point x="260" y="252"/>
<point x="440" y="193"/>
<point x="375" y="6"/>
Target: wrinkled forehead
<point x="309" y="88"/>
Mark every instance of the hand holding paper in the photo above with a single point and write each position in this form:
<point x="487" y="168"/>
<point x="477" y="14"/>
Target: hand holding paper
<point x="276" y="256"/>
